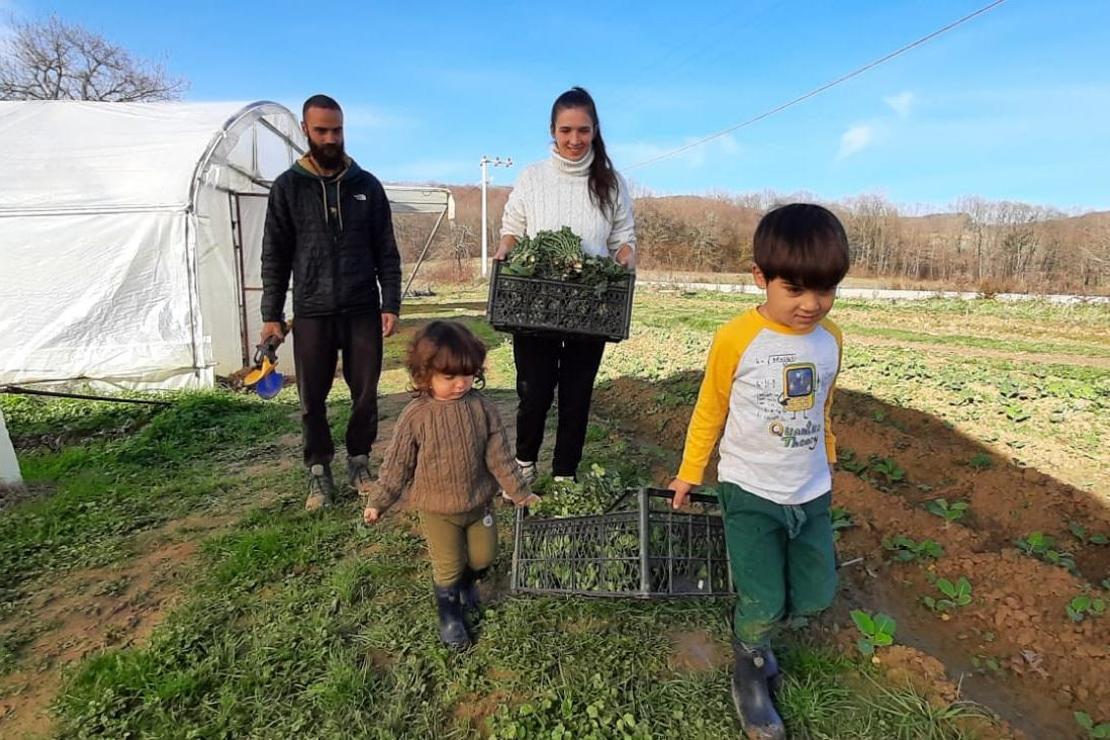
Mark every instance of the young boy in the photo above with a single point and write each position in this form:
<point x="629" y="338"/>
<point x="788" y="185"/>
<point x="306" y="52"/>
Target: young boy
<point x="766" y="396"/>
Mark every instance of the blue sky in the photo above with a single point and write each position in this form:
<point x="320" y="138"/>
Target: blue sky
<point x="1013" y="105"/>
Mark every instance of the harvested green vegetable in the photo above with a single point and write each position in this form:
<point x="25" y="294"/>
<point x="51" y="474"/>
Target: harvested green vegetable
<point x="558" y="255"/>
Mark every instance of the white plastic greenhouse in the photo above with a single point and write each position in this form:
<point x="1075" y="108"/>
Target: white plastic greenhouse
<point x="130" y="238"/>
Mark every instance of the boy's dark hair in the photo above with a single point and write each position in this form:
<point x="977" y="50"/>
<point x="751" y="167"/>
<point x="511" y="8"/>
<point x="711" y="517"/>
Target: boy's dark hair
<point x="445" y="347"/>
<point x="319" y="101"/>
<point x="804" y="244"/>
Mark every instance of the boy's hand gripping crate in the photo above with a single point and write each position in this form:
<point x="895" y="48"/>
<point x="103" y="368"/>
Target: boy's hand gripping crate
<point x="633" y="549"/>
<point x="559" y="307"/>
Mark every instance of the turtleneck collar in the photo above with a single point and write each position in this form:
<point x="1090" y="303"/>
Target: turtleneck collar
<point x="579" y="168"/>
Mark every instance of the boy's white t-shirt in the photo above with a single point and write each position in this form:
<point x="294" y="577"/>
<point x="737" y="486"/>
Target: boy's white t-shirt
<point x="766" y="395"/>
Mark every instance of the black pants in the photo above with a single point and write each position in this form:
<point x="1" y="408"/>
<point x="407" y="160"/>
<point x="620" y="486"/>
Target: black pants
<point x="318" y="342"/>
<point x="542" y="364"/>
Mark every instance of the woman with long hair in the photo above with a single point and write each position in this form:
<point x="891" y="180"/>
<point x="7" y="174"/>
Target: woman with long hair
<point x="576" y="186"/>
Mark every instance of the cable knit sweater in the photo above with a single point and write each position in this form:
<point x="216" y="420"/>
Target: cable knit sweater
<point x="451" y="456"/>
<point x="555" y="193"/>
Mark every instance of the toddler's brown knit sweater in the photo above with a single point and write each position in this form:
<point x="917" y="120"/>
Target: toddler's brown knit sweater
<point x="451" y="457"/>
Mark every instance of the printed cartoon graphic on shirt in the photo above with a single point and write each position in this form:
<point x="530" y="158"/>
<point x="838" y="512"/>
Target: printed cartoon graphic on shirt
<point x="799" y="384"/>
<point x="791" y="401"/>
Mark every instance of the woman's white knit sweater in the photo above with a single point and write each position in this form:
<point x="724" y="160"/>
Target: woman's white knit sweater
<point x="555" y="193"/>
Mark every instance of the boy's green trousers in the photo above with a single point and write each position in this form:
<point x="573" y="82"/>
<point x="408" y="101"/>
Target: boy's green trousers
<point x="783" y="560"/>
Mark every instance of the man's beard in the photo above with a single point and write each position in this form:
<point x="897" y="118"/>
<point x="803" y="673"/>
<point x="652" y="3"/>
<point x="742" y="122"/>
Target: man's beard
<point x="327" y="156"/>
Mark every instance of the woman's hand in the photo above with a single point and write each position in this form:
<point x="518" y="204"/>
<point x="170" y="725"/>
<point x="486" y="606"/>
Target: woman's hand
<point x="371" y="515"/>
<point x="626" y="256"/>
<point x="503" y="249"/>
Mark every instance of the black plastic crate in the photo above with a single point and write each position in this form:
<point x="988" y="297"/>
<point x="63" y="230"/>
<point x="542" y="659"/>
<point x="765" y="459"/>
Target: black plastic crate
<point x="554" y="306"/>
<point x="640" y="547"/>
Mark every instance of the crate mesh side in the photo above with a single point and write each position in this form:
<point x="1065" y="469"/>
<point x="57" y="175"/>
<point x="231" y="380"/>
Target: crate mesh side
<point x="687" y="554"/>
<point x="541" y="304"/>
<point x="599" y="554"/>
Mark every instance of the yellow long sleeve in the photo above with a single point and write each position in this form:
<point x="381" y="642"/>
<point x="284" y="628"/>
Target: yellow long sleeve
<point x="711" y="410"/>
<point x="830" y="438"/>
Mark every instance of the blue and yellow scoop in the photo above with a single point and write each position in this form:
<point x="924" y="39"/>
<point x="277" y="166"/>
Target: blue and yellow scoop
<point x="264" y="377"/>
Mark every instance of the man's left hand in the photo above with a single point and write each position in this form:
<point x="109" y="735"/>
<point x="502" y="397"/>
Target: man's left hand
<point x="389" y="324"/>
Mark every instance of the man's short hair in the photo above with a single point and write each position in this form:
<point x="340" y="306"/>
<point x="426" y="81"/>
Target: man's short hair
<point x="804" y="244"/>
<point x="319" y="101"/>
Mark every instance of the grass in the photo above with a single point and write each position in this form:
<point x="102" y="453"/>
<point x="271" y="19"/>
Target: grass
<point x="295" y="625"/>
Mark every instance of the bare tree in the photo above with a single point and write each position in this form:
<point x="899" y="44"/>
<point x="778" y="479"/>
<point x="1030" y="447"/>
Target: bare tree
<point x="55" y="60"/>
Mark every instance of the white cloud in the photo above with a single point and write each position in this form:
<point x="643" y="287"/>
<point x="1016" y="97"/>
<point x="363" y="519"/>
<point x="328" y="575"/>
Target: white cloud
<point x="855" y="140"/>
<point x="901" y="103"/>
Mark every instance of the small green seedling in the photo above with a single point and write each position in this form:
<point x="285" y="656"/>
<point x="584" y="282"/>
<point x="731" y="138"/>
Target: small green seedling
<point x="888" y="469"/>
<point x="986" y="663"/>
<point x="906" y="550"/>
<point x="1101" y="730"/>
<point x="877" y="631"/>
<point x="841" y="519"/>
<point x="956" y="594"/>
<point x="949" y="512"/>
<point x="1042" y="546"/>
<point x="1085" y="537"/>
<point x="980" y="461"/>
<point x="1016" y="413"/>
<point x="1083" y="606"/>
<point x="846" y="460"/>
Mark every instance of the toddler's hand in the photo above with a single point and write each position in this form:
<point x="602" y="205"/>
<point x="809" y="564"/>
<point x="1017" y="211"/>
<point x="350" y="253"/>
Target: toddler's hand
<point x="681" y="490"/>
<point x="371" y="515"/>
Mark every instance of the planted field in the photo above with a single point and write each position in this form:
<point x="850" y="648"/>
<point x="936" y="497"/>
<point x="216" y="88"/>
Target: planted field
<point x="161" y="578"/>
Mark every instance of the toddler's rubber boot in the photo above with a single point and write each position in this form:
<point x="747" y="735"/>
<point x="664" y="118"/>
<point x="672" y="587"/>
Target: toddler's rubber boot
<point x="452" y="627"/>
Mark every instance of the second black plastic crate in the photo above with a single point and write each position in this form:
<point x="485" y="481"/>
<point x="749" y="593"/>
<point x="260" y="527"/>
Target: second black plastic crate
<point x="554" y="306"/>
<point x="641" y="548"/>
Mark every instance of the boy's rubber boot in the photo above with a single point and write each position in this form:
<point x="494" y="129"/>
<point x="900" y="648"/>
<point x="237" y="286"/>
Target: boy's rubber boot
<point x="771" y="670"/>
<point x="752" y="699"/>
<point x="452" y="628"/>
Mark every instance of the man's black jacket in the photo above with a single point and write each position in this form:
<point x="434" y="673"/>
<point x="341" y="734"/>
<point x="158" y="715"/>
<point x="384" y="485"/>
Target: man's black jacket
<point x="338" y="256"/>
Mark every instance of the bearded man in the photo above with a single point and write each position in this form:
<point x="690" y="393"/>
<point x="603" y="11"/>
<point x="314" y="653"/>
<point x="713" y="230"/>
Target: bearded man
<point x="328" y="224"/>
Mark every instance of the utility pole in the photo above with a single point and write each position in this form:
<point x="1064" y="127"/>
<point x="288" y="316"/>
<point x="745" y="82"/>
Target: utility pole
<point x="485" y="163"/>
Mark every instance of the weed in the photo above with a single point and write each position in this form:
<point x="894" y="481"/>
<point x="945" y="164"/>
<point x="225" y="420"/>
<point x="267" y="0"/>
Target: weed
<point x="980" y="461"/>
<point x="841" y="519"/>
<point x="888" y="469"/>
<point x="846" y="460"/>
<point x="1086" y="538"/>
<point x="955" y="595"/>
<point x="877" y="630"/>
<point x="906" y="550"/>
<point x="1101" y="730"/>
<point x="1083" y="606"/>
<point x="1042" y="546"/>
<point x="948" y="512"/>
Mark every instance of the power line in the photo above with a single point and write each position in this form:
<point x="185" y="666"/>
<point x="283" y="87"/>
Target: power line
<point x="818" y="90"/>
